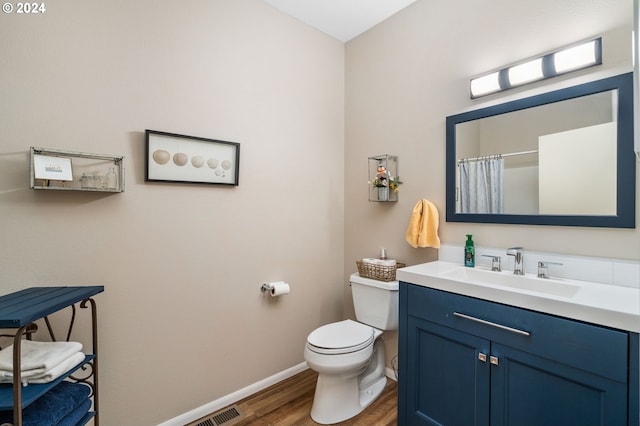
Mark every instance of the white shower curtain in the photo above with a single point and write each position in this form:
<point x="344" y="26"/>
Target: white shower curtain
<point x="481" y="185"/>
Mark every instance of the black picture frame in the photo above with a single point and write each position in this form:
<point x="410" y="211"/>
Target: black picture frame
<point x="171" y="157"/>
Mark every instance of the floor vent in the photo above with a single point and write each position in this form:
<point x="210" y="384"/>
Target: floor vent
<point x="226" y="417"/>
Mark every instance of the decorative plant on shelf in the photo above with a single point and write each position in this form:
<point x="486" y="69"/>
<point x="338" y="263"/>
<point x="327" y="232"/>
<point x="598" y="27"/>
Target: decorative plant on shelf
<point x="383" y="180"/>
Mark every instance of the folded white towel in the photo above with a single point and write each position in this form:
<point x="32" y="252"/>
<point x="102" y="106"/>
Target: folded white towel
<point x="44" y="376"/>
<point x="385" y="262"/>
<point x="38" y="355"/>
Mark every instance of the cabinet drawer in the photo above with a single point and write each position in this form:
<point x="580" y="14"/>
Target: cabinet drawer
<point x="596" y="349"/>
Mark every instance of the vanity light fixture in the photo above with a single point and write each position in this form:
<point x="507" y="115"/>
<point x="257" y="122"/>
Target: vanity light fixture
<point x="525" y="73"/>
<point x="561" y="61"/>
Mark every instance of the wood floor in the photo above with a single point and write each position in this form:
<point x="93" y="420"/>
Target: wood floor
<point x="289" y="403"/>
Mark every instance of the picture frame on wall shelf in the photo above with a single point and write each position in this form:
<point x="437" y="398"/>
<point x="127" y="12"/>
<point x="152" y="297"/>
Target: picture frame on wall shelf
<point x="46" y="167"/>
<point x="178" y="158"/>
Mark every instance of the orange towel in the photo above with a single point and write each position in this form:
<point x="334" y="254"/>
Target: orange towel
<point x="423" y="225"/>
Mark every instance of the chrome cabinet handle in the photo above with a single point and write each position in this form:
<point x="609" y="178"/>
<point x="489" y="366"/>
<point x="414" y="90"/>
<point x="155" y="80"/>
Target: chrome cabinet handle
<point x="492" y="324"/>
<point x="482" y="357"/>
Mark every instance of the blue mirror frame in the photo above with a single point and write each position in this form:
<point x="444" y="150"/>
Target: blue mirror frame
<point x="626" y="172"/>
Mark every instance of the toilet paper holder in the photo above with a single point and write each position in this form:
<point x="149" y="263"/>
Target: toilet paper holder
<point x="275" y="289"/>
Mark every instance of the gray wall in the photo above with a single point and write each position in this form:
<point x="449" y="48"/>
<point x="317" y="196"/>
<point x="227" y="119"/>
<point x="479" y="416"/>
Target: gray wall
<point x="407" y="74"/>
<point x="182" y="319"/>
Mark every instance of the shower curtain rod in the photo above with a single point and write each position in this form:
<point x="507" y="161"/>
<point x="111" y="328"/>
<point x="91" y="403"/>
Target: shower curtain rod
<point x="510" y="154"/>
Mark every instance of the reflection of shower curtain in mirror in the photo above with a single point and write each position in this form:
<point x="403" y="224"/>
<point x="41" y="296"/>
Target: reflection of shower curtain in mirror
<point x="481" y="186"/>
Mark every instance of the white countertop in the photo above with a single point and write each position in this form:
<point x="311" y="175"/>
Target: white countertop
<point x="604" y="304"/>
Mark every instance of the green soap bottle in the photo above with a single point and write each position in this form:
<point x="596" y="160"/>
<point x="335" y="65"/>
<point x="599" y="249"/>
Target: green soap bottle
<point x="469" y="253"/>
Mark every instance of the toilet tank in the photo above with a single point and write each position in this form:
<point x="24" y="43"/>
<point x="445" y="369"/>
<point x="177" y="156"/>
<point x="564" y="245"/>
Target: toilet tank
<point x="375" y="302"/>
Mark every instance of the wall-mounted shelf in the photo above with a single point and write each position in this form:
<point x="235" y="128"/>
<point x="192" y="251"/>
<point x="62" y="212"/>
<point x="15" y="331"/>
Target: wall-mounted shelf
<point x="383" y="178"/>
<point x="77" y="171"/>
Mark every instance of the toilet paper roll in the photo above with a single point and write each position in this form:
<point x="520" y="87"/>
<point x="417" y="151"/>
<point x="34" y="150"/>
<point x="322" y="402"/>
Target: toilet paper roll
<point x="279" y="288"/>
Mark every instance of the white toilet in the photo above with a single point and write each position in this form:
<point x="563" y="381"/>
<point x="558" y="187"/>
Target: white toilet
<point x="349" y="356"/>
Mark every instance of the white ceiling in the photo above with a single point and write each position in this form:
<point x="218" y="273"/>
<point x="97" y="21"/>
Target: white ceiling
<point x="342" y="19"/>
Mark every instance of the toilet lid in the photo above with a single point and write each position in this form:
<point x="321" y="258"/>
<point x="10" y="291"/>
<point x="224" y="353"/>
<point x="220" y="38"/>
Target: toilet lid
<point x="341" y="337"/>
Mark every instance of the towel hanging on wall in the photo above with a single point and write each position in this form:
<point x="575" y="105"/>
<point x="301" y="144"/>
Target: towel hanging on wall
<point x="423" y="225"/>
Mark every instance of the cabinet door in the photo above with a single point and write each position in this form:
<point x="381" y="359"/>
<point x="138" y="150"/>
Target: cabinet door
<point x="528" y="390"/>
<point x="447" y="382"/>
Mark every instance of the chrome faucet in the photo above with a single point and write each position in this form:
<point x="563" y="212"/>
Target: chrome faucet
<point x="495" y="262"/>
<point x="543" y="268"/>
<point x="518" y="255"/>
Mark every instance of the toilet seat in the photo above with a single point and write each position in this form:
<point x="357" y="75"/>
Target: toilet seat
<point x="340" y="338"/>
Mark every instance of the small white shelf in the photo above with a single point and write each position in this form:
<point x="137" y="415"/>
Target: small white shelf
<point x="89" y="172"/>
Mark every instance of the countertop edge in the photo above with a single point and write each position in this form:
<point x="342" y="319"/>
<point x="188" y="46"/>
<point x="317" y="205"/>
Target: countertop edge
<point x="536" y="302"/>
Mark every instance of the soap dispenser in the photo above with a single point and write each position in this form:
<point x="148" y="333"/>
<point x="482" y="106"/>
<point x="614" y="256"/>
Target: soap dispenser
<point x="469" y="253"/>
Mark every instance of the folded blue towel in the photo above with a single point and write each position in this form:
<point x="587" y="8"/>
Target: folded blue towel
<point x="74" y="417"/>
<point x="53" y="406"/>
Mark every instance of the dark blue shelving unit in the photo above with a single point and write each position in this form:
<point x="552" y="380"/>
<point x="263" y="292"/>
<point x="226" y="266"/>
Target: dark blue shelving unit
<point x="20" y="310"/>
<point x="33" y="391"/>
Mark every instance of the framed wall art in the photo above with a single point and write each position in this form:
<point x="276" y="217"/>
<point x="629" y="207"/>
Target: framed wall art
<point x="46" y="167"/>
<point x="189" y="159"/>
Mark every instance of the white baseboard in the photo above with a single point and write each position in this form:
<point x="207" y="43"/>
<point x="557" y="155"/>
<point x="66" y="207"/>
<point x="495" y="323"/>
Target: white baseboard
<point x="231" y="398"/>
<point x="391" y="374"/>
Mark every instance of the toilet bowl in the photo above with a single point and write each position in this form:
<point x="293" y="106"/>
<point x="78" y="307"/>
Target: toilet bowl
<point x="351" y="369"/>
<point x="349" y="356"/>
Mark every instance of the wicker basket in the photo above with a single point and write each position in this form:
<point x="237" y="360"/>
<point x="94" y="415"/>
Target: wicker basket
<point x="378" y="272"/>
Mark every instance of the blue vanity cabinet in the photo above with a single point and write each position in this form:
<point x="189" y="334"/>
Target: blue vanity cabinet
<point x="465" y="361"/>
<point x="443" y="384"/>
